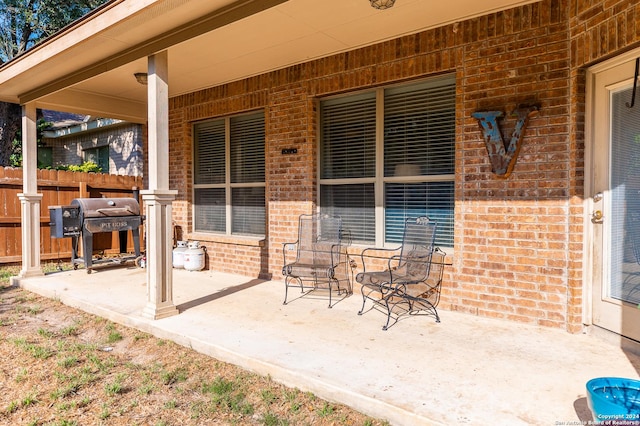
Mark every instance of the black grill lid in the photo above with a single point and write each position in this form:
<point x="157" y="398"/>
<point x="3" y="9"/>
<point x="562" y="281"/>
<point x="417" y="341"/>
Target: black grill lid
<point x="107" y="207"/>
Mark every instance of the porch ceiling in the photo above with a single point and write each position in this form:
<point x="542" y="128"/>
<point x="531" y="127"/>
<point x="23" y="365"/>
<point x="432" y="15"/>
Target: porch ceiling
<point x="89" y="67"/>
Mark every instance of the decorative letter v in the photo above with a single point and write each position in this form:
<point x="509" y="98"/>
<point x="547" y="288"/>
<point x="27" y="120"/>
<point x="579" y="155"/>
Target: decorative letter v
<point x="502" y="157"/>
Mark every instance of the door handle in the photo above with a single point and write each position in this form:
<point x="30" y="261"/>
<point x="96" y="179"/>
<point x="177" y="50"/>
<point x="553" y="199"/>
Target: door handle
<point x="597" y="217"/>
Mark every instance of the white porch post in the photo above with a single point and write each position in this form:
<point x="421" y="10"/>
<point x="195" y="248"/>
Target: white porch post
<point x="158" y="197"/>
<point x="29" y="198"/>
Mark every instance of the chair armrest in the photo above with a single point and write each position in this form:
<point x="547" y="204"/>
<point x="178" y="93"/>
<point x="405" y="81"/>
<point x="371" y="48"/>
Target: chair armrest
<point x="394" y="259"/>
<point x="364" y="255"/>
<point x="337" y="251"/>
<point x="288" y="247"/>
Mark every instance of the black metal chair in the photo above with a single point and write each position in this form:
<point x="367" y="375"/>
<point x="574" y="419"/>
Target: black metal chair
<point x="321" y="260"/>
<point x="411" y="281"/>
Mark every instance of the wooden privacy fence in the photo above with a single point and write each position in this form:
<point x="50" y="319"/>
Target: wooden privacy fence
<point x="57" y="188"/>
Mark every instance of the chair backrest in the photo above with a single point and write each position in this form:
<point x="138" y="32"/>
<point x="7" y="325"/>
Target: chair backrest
<point x="429" y="289"/>
<point x="319" y="236"/>
<point x="417" y="247"/>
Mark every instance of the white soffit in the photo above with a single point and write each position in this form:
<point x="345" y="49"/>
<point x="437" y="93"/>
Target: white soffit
<point x="301" y="30"/>
<point x="279" y="33"/>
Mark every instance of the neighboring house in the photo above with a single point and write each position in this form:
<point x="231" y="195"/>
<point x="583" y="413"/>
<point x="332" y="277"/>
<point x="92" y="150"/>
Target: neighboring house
<point x="258" y="112"/>
<point x="72" y="139"/>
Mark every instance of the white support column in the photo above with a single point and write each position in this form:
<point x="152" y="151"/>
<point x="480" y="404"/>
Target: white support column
<point x="159" y="250"/>
<point x="158" y="197"/>
<point x="29" y="198"/>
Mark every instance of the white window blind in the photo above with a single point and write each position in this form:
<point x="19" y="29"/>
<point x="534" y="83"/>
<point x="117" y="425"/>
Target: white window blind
<point x="247" y="167"/>
<point x="247" y="148"/>
<point x="248" y="211"/>
<point x="433" y="199"/>
<point x="355" y="205"/>
<point x="348" y="148"/>
<point x="419" y="140"/>
<point x="210" y="209"/>
<point x="417" y="154"/>
<point x="419" y="129"/>
<point x="209" y="156"/>
<point x="624" y="197"/>
<point x="229" y="175"/>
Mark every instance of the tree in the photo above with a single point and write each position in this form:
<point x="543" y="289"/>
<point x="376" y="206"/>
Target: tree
<point x="15" y="159"/>
<point x="10" y="123"/>
<point x="23" y="24"/>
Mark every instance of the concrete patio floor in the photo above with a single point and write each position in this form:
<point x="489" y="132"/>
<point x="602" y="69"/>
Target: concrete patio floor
<point x="464" y="370"/>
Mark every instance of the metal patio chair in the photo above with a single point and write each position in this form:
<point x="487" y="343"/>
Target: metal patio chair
<point x="321" y="260"/>
<point x="411" y="281"/>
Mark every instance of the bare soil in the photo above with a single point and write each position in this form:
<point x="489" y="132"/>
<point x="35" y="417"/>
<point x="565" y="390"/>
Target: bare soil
<point x="62" y="366"/>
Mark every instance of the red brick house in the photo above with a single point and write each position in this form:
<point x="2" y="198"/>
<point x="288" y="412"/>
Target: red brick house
<point x="371" y="117"/>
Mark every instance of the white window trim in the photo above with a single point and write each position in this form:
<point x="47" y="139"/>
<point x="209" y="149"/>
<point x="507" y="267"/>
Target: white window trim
<point x="227" y="186"/>
<point x="379" y="180"/>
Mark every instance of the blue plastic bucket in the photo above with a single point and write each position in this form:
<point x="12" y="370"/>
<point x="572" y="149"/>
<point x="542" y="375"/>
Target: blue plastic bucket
<point x="614" y="400"/>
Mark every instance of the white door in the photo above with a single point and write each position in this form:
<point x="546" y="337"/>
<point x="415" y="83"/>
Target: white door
<point x="614" y="205"/>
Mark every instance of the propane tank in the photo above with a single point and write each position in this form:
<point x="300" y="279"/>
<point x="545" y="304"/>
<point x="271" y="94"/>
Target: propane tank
<point x="178" y="254"/>
<point x="194" y="257"/>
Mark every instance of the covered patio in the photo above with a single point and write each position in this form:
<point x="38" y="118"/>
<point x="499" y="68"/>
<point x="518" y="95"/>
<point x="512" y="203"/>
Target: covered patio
<point x="129" y="61"/>
<point x="464" y="370"/>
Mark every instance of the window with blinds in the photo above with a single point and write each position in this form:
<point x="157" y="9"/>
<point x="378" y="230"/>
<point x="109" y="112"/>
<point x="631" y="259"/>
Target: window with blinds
<point x="348" y="148"/>
<point x="354" y="203"/>
<point x="391" y="147"/>
<point x="229" y="175"/>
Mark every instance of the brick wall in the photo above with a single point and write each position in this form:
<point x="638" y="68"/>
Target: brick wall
<point x="291" y="178"/>
<point x="600" y="29"/>
<point x="512" y="245"/>
<point x="518" y="241"/>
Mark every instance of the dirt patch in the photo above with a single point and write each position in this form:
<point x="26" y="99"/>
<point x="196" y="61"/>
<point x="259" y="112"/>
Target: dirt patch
<point x="62" y="366"/>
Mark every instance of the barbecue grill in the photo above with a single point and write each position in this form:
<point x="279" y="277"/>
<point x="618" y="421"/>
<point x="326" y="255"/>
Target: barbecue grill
<point x="86" y="217"/>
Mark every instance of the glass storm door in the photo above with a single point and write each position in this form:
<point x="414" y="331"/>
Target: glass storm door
<point x="614" y="207"/>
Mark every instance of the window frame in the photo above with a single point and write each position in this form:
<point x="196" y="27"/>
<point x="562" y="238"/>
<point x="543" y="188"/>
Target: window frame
<point x="101" y="161"/>
<point x="380" y="180"/>
<point x="45" y="157"/>
<point x="228" y="186"/>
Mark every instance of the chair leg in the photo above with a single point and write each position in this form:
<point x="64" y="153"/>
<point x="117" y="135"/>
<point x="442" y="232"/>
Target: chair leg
<point x="286" y="290"/>
<point x="386" y="326"/>
<point x="386" y="302"/>
<point x="287" y="284"/>
<point x="364" y="301"/>
<point x="435" y="312"/>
